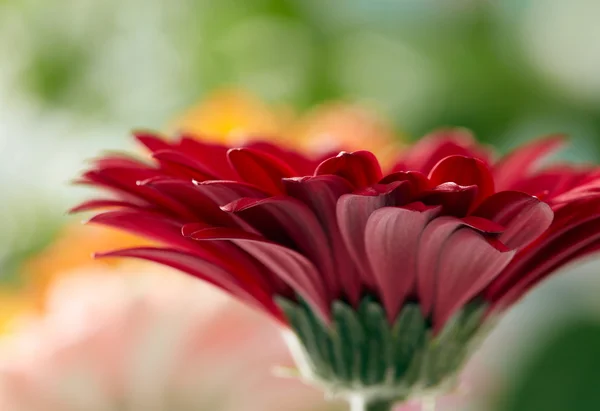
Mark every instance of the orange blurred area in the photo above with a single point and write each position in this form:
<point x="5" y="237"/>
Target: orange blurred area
<point x="71" y="250"/>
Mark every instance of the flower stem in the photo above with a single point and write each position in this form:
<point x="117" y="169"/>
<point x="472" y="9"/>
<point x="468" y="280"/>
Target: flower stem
<point x="361" y="404"/>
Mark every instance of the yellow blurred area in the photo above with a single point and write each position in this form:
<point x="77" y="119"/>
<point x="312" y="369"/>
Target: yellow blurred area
<point x="234" y="116"/>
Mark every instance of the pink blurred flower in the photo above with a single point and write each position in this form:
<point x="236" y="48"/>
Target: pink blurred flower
<point x="112" y="340"/>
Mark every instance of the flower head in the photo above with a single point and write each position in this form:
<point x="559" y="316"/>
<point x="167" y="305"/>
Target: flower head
<point x="384" y="276"/>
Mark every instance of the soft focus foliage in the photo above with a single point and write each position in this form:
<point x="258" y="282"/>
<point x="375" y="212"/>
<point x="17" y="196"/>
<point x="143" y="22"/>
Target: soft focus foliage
<point x="562" y="375"/>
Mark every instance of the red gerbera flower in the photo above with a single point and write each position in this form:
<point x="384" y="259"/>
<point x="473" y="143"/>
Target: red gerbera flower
<point x="384" y="278"/>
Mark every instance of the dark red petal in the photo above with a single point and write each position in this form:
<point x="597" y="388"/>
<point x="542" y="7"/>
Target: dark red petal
<point x="466" y="264"/>
<point x="126" y="184"/>
<point x="321" y="194"/>
<point x="567" y="232"/>
<point x="360" y="168"/>
<point x="147" y="224"/>
<point x="211" y="268"/>
<point x="524" y="217"/>
<point x="392" y="239"/>
<point x="287" y="221"/>
<point x="212" y="155"/>
<point x="455" y="199"/>
<point x="431" y="149"/>
<point x="224" y="192"/>
<point x="102" y="203"/>
<point x="200" y="206"/>
<point x="483" y="225"/>
<point x="183" y="165"/>
<point x="302" y="165"/>
<point x="290" y="266"/>
<point x="549" y="257"/>
<point x="260" y="169"/>
<point x="464" y="171"/>
<point x="522" y="161"/>
<point x="418" y="182"/>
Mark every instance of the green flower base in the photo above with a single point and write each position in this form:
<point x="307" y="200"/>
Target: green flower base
<point x="360" y="356"/>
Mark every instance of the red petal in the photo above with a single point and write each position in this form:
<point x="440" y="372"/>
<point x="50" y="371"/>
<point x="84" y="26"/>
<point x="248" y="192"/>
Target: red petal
<point x="152" y="141"/>
<point x="212" y="269"/>
<point x="431" y="149"/>
<point x="466" y="264"/>
<point x="224" y="192"/>
<point x="212" y="156"/>
<point x="360" y="168"/>
<point x="455" y="199"/>
<point x="302" y="165"/>
<point x="147" y="224"/>
<point x="183" y="165"/>
<point x="290" y="266"/>
<point x="524" y="217"/>
<point x="527" y="271"/>
<point x="392" y="239"/>
<point x="289" y="222"/>
<point x="568" y="230"/>
<point x="200" y="206"/>
<point x="522" y="161"/>
<point x="260" y="169"/>
<point x="418" y="182"/>
<point x="102" y="203"/>
<point x="353" y="211"/>
<point x="464" y="171"/>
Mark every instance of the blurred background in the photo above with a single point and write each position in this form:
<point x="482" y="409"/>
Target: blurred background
<point x="77" y="75"/>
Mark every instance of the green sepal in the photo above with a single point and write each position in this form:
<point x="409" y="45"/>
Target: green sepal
<point x="360" y="351"/>
<point x="408" y="337"/>
<point x="349" y="339"/>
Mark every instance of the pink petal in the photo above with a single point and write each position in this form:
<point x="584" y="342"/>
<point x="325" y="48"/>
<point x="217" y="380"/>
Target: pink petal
<point x="466" y="264"/>
<point x="353" y="211"/>
<point x="392" y="240"/>
<point x="432" y="241"/>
